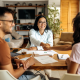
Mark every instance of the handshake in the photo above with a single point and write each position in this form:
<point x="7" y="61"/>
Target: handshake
<point x="45" y="46"/>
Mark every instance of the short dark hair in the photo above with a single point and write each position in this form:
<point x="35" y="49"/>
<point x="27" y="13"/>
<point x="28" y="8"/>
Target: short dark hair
<point x="76" y="26"/>
<point x="36" y="21"/>
<point x="4" y="10"/>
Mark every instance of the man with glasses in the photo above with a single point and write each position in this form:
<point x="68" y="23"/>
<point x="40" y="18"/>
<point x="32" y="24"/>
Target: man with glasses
<point x="6" y="24"/>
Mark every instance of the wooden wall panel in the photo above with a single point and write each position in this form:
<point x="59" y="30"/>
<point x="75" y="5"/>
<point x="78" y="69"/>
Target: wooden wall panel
<point x="69" y="9"/>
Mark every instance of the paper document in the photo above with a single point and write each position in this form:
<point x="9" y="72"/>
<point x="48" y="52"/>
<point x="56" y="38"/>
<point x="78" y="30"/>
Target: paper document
<point x="22" y="50"/>
<point x="25" y="58"/>
<point x="63" y="56"/>
<point x="45" y="59"/>
<point x="42" y="59"/>
<point x="50" y="52"/>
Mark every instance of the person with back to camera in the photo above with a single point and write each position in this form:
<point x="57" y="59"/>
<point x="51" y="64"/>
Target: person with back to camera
<point x="40" y="36"/>
<point x="73" y="62"/>
<point x="6" y="24"/>
<point x="63" y="47"/>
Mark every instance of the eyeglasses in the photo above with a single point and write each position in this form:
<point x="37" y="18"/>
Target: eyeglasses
<point x="42" y="22"/>
<point x="11" y="21"/>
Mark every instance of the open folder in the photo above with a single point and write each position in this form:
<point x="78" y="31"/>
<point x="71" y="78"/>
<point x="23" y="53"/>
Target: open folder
<point x="63" y="56"/>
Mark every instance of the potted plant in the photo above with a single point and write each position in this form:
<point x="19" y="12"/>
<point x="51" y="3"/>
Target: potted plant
<point x="53" y="21"/>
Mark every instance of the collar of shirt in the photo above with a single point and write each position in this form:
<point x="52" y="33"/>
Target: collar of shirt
<point x="40" y="34"/>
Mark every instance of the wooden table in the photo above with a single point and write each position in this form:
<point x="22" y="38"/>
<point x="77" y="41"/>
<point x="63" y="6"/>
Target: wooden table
<point x="60" y="65"/>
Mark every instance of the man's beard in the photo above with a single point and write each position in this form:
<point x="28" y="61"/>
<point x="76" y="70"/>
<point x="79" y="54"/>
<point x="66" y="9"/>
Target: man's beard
<point x="7" y="32"/>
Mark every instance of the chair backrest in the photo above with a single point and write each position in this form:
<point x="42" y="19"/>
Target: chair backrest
<point x="66" y="36"/>
<point x="6" y="75"/>
<point x="68" y="76"/>
<point x="8" y="36"/>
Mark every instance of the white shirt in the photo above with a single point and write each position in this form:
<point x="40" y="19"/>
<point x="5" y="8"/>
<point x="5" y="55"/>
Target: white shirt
<point x="75" y="55"/>
<point x="36" y="38"/>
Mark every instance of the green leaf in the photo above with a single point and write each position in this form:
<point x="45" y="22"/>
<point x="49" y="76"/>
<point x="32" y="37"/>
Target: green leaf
<point x="53" y="21"/>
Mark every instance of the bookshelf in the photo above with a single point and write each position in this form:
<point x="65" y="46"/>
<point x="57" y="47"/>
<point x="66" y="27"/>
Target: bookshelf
<point x="19" y="24"/>
<point x="36" y="6"/>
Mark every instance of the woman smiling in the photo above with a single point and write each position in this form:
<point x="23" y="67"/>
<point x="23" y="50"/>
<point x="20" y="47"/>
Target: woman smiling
<point x="41" y="36"/>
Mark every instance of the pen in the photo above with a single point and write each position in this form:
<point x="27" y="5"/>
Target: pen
<point x="32" y="54"/>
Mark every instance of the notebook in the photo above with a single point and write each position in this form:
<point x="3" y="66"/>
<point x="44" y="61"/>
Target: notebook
<point x="63" y="56"/>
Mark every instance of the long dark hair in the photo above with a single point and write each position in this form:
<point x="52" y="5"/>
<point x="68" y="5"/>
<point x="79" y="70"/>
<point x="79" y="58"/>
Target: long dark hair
<point x="36" y="21"/>
<point x="76" y="27"/>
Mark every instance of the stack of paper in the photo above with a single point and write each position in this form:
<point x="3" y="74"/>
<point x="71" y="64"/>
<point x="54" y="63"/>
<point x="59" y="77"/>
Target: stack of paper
<point x="45" y="59"/>
<point x="42" y="59"/>
<point x="50" y="52"/>
<point x="63" y="56"/>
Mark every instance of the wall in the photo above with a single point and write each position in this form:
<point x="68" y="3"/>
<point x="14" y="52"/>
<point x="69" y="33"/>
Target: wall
<point x="57" y="2"/>
<point x="25" y="0"/>
<point x="1" y="3"/>
<point x="39" y="9"/>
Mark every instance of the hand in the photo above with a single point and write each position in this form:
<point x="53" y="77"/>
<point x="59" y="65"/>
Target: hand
<point x="67" y="61"/>
<point x="62" y="47"/>
<point x="44" y="44"/>
<point x="29" y="62"/>
<point x="18" y="62"/>
<point x="47" y="45"/>
<point x="32" y="48"/>
<point x="68" y="47"/>
<point x="46" y="48"/>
